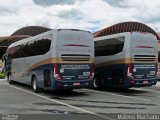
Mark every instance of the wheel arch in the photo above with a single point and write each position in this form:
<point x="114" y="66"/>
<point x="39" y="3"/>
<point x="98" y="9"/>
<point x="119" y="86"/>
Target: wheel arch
<point x="96" y="74"/>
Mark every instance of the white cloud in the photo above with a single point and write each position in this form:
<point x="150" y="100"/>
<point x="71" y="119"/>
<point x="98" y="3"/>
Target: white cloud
<point x="82" y="14"/>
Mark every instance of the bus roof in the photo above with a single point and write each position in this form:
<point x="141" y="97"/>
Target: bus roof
<point x="41" y="35"/>
<point x="125" y="27"/>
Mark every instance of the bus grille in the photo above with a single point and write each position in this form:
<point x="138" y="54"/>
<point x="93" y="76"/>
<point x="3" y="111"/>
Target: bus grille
<point x="75" y="57"/>
<point x="144" y="58"/>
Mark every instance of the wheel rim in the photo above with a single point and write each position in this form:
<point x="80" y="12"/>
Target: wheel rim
<point x="95" y="83"/>
<point x="34" y="85"/>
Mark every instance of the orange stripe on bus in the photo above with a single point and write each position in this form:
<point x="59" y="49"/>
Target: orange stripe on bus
<point x="122" y="61"/>
<point x="42" y="62"/>
<point x="56" y="60"/>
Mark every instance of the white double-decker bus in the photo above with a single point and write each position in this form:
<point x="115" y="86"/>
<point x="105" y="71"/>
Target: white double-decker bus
<point x="57" y="59"/>
<point x="125" y="60"/>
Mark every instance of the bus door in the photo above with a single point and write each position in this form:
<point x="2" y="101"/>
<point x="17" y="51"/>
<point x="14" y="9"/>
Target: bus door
<point x="47" y="77"/>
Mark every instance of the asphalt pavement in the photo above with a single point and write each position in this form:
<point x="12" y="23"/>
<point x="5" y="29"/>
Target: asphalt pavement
<point x="20" y="101"/>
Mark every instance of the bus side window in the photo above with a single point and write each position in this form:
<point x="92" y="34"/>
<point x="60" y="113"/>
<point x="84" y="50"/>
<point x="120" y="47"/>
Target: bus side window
<point x="107" y="49"/>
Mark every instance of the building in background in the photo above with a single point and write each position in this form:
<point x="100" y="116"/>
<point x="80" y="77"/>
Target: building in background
<point x="29" y="31"/>
<point x="20" y="34"/>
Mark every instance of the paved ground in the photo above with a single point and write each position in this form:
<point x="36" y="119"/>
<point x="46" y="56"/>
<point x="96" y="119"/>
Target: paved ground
<point x="158" y="84"/>
<point x="79" y="104"/>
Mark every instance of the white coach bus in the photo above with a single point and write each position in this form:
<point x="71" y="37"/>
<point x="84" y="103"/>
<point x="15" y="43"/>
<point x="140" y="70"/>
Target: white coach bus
<point x="126" y="60"/>
<point x="57" y="59"/>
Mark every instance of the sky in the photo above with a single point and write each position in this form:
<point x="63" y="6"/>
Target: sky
<point x="91" y="15"/>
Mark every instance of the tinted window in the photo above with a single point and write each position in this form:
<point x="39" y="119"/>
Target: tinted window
<point x="14" y="52"/>
<point x="108" y="47"/>
<point x="38" y="47"/>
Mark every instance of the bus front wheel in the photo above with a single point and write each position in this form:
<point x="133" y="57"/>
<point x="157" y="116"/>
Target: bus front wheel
<point x="34" y="85"/>
<point x="97" y="83"/>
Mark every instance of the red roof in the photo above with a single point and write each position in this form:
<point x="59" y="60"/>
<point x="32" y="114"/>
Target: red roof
<point x="22" y="33"/>
<point x="125" y="27"/>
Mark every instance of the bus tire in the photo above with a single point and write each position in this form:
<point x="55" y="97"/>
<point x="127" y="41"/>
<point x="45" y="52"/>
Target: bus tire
<point x="97" y="83"/>
<point x="34" y="85"/>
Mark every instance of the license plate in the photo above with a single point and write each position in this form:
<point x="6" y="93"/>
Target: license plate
<point x="76" y="84"/>
<point x="145" y="82"/>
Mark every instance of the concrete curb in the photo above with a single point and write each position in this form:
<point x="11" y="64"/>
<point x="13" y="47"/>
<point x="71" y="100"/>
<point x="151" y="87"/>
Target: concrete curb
<point x="158" y="84"/>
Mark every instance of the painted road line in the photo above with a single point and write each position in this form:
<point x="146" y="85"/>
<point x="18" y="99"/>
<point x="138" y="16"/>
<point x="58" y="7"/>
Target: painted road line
<point x="136" y="98"/>
<point x="65" y="104"/>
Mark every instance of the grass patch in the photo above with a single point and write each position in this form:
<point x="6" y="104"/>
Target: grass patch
<point x="2" y="75"/>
